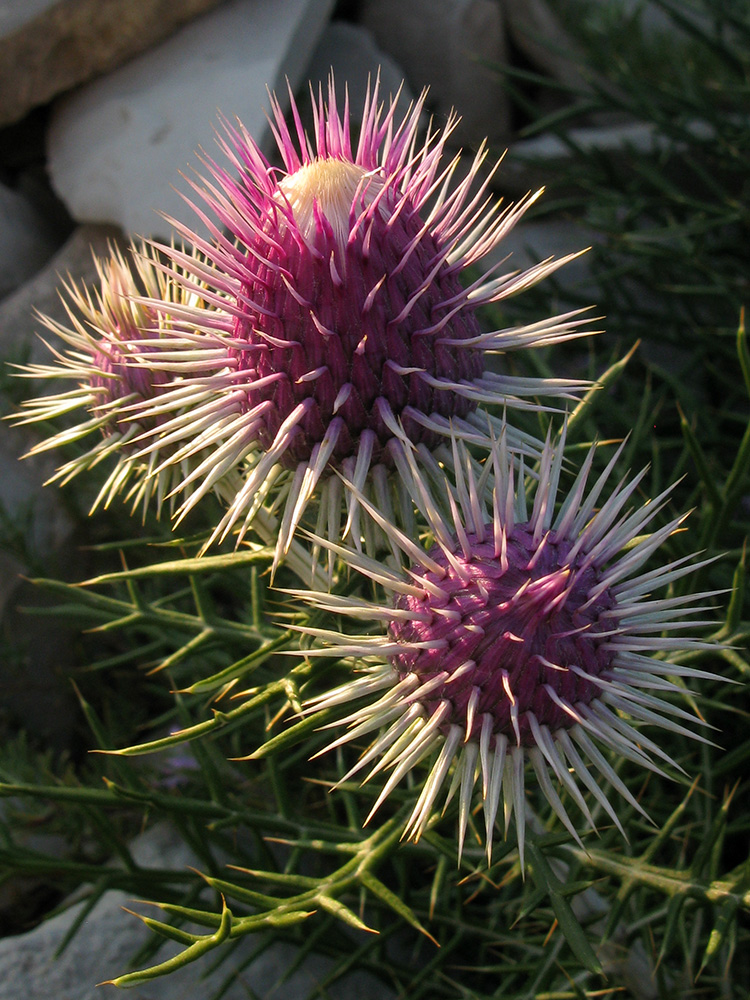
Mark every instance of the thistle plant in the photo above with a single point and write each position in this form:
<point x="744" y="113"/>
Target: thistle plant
<point x="511" y="641"/>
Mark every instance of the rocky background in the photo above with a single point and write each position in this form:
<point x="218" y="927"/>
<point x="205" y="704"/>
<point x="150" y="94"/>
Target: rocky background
<point x="102" y="104"/>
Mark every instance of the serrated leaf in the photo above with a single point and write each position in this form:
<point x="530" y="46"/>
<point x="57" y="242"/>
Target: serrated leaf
<point x="597" y="393"/>
<point x="743" y="352"/>
<point x="242" y="893"/>
<point x="712" y="836"/>
<point x="240" y="668"/>
<point x="218" y="720"/>
<point x="196" y="950"/>
<point x="738" y="662"/>
<point x="737" y="600"/>
<point x="674" y="911"/>
<point x="168" y="931"/>
<point x="182" y="567"/>
<point x="438" y="882"/>
<point x="288" y="919"/>
<point x="289" y="737"/>
<point x="294" y="880"/>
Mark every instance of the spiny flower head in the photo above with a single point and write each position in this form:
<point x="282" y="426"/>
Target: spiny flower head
<point x="516" y="637"/>
<point x="528" y="623"/>
<point x="344" y="330"/>
<point x="113" y="331"/>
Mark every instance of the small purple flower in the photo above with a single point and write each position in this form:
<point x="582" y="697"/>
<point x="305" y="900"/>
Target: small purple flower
<point x="340" y="330"/>
<point x="516" y="637"/>
<point x="116" y="359"/>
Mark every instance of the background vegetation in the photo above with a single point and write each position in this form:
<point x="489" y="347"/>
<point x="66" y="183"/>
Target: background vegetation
<point x="185" y="659"/>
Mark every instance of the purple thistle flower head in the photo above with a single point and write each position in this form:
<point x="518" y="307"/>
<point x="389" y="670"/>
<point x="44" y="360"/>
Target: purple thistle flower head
<point x="116" y="377"/>
<point x="341" y="329"/>
<point x="359" y="338"/>
<point x="115" y="357"/>
<point x="518" y="637"/>
<point x="526" y="621"/>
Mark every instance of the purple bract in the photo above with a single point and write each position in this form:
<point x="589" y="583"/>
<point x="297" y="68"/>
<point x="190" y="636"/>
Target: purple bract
<point x="520" y="622"/>
<point x="348" y="333"/>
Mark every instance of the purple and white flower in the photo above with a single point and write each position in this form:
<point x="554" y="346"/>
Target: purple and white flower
<point x="524" y="633"/>
<point x="341" y="326"/>
<point x="111" y="353"/>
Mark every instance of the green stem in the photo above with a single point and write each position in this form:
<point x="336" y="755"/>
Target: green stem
<point x="665" y="880"/>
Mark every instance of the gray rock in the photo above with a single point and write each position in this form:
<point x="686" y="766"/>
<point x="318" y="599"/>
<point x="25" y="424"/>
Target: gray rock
<point x="13" y="15"/>
<point x="35" y="652"/>
<point x="351" y="52"/>
<point x="117" y="145"/>
<point x="538" y="32"/>
<point x="37" y="523"/>
<point x="652" y="18"/>
<point x="24" y="896"/>
<point x="539" y="35"/>
<point x="104" y="946"/>
<point x="39" y="516"/>
<point x="531" y="162"/>
<point x="26" y="242"/>
<point x="49" y="46"/>
<point x="20" y="328"/>
<point x="450" y="46"/>
<point x="530" y="242"/>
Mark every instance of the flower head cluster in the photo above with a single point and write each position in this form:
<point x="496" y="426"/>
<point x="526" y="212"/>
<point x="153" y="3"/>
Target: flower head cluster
<point x="342" y="328"/>
<point x="518" y="636"/>
<point x="321" y="351"/>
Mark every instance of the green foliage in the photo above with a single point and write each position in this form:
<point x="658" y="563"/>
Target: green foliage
<point x="220" y="749"/>
<point x="220" y="670"/>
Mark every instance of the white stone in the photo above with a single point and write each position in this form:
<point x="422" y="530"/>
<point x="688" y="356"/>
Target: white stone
<point x="652" y="17"/>
<point x="532" y="163"/>
<point x="116" y="146"/>
<point x="538" y="33"/>
<point x="103" y="947"/>
<point x="25" y="241"/>
<point x="530" y="242"/>
<point x="449" y="46"/>
<point x="35" y="690"/>
<point x="638" y="137"/>
<point x="537" y="30"/>
<point x="21" y="330"/>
